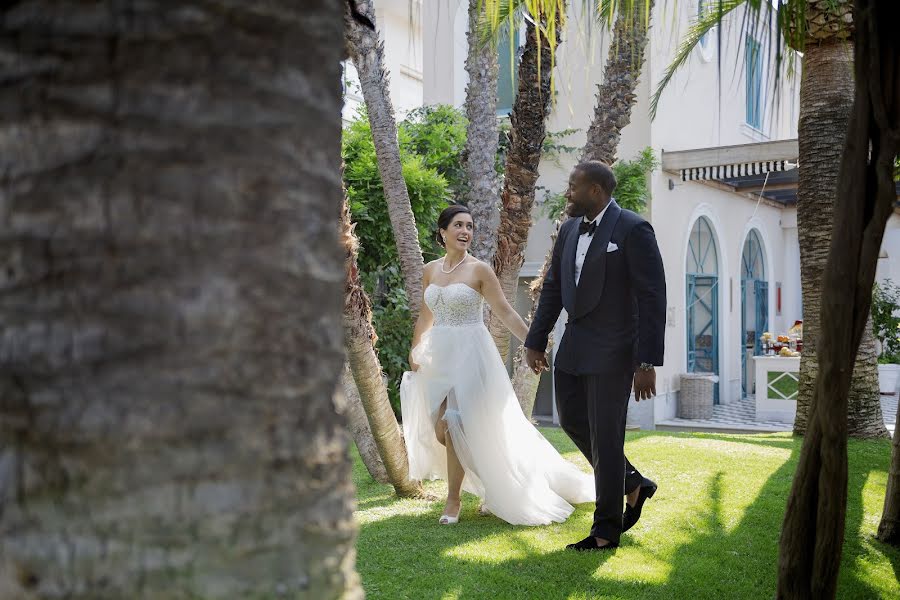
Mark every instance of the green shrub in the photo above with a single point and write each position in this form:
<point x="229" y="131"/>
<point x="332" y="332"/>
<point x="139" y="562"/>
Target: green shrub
<point x="632" y="190"/>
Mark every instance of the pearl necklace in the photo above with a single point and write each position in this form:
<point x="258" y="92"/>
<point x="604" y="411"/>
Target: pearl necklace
<point x="465" y="256"/>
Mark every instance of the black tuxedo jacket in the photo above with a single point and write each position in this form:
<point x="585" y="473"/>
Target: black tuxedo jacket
<point x="617" y="312"/>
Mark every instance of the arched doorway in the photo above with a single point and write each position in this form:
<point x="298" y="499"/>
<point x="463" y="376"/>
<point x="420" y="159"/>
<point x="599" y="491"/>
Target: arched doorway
<point x="754" y="306"/>
<point x="702" y="273"/>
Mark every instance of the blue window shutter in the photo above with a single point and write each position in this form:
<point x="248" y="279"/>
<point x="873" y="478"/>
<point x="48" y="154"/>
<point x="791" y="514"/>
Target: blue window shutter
<point x="508" y="60"/>
<point x="753" y="70"/>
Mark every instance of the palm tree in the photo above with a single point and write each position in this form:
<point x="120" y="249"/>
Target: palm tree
<point x="166" y="375"/>
<point x="826" y="97"/>
<point x="823" y="30"/>
<point x="615" y="99"/>
<point x="813" y="531"/>
<point x="347" y="398"/>
<point x="349" y="404"/>
<point x="367" y="53"/>
<point x="617" y="96"/>
<point x="482" y="136"/>
<point x="359" y="339"/>
<point x="528" y="121"/>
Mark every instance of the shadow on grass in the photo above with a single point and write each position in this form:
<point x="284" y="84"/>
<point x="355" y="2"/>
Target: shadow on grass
<point x="762" y="439"/>
<point x="855" y="581"/>
<point x="411" y="556"/>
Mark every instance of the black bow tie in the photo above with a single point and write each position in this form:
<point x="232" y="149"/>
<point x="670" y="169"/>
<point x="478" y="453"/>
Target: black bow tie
<point x="587" y="227"/>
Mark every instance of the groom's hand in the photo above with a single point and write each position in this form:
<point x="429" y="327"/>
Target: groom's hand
<point x="537" y="361"/>
<point x="644" y="384"/>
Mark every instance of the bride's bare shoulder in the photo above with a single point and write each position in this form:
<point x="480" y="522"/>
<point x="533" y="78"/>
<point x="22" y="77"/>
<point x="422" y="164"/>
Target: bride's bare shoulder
<point x="431" y="268"/>
<point x="481" y="267"/>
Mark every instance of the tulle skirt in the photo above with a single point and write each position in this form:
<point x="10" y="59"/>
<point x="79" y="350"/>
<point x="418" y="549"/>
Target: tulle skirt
<point x="519" y="475"/>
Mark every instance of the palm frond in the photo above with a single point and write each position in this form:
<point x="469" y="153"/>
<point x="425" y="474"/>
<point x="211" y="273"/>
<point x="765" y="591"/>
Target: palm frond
<point x="700" y="27"/>
<point x="495" y="15"/>
<point x="547" y="16"/>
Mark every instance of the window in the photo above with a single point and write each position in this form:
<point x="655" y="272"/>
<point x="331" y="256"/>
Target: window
<point x="702" y="274"/>
<point x="703" y="8"/>
<point x="412" y="65"/>
<point x="508" y="60"/>
<point x="753" y="70"/>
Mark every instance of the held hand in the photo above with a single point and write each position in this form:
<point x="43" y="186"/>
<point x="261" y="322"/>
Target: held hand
<point x="644" y="384"/>
<point x="537" y="361"/>
<point x="412" y="364"/>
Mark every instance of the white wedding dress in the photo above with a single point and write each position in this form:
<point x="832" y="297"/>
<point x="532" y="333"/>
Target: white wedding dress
<point x="520" y="477"/>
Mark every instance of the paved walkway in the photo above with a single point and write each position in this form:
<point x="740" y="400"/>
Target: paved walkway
<point x="740" y="417"/>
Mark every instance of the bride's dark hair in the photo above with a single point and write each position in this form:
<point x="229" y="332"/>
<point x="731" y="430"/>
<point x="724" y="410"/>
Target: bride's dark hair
<point x="446" y="218"/>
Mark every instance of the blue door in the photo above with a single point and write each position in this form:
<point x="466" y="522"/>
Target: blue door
<point x="754" y="306"/>
<point x="702" y="318"/>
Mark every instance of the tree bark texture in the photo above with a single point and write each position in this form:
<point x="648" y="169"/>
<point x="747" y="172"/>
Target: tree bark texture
<point x="359" y="340"/>
<point x="813" y="531"/>
<point x="528" y="122"/>
<point x="170" y="174"/>
<point x="826" y="99"/>
<point x="482" y="139"/>
<point x="347" y="398"/>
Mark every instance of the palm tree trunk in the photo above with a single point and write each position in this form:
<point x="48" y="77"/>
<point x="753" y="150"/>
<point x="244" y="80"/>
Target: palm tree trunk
<point x="528" y="122"/>
<point x="615" y="99"/>
<point x="616" y="96"/>
<point x="826" y="97"/>
<point x="349" y="404"/>
<point x="347" y="398"/>
<point x="482" y="140"/>
<point x="166" y="377"/>
<point x="889" y="527"/>
<point x="359" y="339"/>
<point x="524" y="381"/>
<point x="813" y="531"/>
<point x="367" y="53"/>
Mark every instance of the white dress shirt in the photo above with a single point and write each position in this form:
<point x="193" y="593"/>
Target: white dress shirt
<point x="584" y="242"/>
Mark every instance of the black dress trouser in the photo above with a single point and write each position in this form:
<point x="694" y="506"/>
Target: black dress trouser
<point x="592" y="410"/>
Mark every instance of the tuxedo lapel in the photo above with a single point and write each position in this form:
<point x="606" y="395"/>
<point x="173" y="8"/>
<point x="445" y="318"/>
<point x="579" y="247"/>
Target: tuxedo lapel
<point x="568" y="267"/>
<point x="593" y="272"/>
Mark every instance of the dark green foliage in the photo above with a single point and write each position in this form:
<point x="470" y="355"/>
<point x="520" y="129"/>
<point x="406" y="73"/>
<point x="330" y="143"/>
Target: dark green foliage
<point x="431" y="143"/>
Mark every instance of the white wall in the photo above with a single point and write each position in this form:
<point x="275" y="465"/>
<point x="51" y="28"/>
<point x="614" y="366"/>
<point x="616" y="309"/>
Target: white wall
<point x="399" y="24"/>
<point x="444" y="25"/>
<point x="732" y="217"/>
<point x="704" y="103"/>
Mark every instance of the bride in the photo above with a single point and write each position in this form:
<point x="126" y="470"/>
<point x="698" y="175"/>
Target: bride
<point x="461" y="419"/>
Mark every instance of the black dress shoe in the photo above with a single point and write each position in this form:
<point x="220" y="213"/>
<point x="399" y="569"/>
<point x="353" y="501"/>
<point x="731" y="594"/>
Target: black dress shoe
<point x="633" y="513"/>
<point x="589" y="544"/>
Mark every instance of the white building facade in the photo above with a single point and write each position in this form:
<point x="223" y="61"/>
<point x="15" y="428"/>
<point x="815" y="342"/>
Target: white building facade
<point x="399" y="25"/>
<point x="722" y="203"/>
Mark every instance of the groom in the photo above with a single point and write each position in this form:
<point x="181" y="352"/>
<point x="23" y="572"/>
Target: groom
<point x="607" y="273"/>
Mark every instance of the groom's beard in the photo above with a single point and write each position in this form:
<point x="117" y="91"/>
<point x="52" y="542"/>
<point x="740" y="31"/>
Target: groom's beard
<point x="575" y="211"/>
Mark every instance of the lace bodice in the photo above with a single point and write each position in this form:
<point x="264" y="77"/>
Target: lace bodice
<point x="454" y="305"/>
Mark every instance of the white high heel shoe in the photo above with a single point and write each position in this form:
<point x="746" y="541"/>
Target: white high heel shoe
<point x="449" y="520"/>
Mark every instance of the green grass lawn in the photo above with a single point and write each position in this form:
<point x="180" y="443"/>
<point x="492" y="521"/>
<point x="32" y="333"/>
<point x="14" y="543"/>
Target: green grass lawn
<point x="711" y="531"/>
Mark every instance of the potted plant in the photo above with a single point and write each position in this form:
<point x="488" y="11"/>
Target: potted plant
<point x="886" y="325"/>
